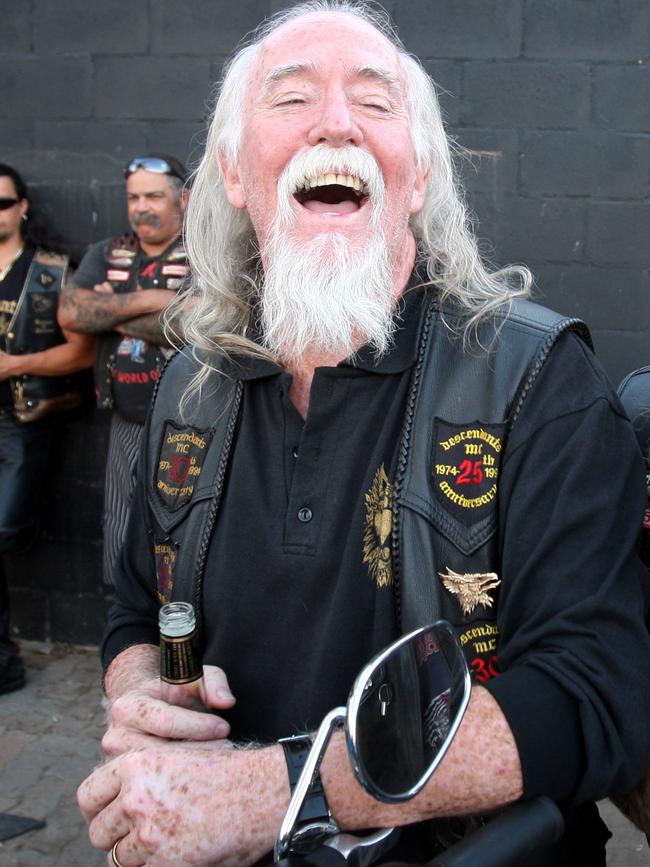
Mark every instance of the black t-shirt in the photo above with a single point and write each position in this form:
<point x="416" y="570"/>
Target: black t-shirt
<point x="293" y="611"/>
<point x="10" y="289"/>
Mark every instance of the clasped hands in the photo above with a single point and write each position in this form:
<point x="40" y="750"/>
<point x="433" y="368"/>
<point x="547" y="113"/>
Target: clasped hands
<point x="173" y="790"/>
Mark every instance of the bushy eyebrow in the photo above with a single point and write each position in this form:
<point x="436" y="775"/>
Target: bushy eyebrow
<point x="381" y="76"/>
<point x="285" y="70"/>
<point x="375" y="73"/>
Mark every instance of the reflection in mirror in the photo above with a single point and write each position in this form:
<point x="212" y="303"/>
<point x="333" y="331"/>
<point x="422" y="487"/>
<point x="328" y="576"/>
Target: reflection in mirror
<point x="404" y="710"/>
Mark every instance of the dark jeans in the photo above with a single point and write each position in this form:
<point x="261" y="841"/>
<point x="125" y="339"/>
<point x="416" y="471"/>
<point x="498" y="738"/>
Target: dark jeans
<point x="24" y="458"/>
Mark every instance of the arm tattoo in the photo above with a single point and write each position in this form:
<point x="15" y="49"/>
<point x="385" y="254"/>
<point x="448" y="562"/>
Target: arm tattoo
<point x="147" y="327"/>
<point x="94" y="312"/>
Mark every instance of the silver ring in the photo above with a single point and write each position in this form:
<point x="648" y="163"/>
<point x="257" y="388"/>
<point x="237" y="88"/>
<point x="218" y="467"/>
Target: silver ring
<point x="116" y="860"/>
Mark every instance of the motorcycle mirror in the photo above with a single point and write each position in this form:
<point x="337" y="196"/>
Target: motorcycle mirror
<point x="402" y="713"/>
<point x="404" y="710"/>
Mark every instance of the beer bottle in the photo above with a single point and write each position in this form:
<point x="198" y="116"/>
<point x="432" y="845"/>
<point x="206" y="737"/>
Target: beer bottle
<point x="180" y="662"/>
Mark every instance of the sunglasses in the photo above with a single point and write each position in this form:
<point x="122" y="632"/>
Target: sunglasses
<point x="152" y="164"/>
<point x="6" y="202"/>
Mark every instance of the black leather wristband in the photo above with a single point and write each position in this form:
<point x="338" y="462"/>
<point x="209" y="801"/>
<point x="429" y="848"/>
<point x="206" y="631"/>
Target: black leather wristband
<point x="296" y="749"/>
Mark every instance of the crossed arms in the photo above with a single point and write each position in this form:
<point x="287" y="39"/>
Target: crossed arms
<point x="100" y="309"/>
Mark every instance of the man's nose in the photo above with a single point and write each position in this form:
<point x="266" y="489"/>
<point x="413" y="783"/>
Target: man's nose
<point x="336" y="124"/>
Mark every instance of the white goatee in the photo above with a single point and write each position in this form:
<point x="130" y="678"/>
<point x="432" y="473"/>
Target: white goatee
<point x="326" y="296"/>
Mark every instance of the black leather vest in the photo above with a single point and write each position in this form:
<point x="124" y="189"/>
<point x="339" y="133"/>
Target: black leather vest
<point x="123" y="260"/>
<point x="34" y="326"/>
<point x="461" y="406"/>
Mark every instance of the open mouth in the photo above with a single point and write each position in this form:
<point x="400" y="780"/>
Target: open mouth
<point x="332" y="194"/>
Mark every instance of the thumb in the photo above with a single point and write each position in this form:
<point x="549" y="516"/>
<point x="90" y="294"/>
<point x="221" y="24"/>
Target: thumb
<point x="217" y="691"/>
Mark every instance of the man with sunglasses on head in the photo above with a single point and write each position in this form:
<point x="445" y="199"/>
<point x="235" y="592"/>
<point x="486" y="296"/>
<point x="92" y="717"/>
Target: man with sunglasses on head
<point x="37" y="359"/>
<point x="118" y="293"/>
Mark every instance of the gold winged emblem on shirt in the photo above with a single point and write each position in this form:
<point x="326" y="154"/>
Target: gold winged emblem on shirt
<point x="472" y="588"/>
<point x="377" y="552"/>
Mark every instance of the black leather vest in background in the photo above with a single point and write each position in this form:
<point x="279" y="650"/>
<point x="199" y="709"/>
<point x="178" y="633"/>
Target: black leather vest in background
<point x="448" y="382"/>
<point x="34" y="326"/>
<point x="124" y="257"/>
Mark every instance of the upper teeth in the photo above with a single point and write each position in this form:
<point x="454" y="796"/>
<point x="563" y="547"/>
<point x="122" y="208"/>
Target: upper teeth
<point x="324" y="180"/>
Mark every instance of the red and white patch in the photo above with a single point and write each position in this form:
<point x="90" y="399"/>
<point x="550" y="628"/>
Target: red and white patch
<point x="174" y="270"/>
<point x="118" y="276"/>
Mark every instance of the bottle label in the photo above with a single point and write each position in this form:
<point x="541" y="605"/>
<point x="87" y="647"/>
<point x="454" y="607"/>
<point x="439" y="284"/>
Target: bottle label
<point x="179" y="659"/>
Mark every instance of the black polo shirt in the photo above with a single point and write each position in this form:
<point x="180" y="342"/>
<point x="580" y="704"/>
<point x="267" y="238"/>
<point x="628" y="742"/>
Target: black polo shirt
<point x="298" y="591"/>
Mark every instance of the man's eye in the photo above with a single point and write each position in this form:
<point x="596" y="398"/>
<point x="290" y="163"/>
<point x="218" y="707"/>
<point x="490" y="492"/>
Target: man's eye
<point x="290" y="100"/>
<point x="376" y="105"/>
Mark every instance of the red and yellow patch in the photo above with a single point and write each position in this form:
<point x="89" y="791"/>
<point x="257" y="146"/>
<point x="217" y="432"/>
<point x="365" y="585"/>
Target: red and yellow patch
<point x="465" y="467"/>
<point x="479" y="643"/>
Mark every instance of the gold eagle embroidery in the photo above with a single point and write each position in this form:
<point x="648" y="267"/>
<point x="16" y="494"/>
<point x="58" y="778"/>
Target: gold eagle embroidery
<point x="472" y="588"/>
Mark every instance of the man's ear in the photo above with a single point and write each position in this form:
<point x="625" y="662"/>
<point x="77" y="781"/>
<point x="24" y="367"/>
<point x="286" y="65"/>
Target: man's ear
<point x="232" y="183"/>
<point x="185" y="197"/>
<point x="419" y="191"/>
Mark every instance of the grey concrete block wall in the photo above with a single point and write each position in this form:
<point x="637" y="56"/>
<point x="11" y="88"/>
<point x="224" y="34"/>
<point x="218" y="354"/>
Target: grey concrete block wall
<point x="550" y="99"/>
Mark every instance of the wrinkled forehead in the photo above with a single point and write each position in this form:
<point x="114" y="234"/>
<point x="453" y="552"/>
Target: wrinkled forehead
<point x="315" y="40"/>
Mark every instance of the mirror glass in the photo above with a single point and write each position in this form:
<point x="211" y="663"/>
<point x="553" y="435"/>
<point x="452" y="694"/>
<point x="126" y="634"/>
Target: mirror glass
<point x="404" y="710"/>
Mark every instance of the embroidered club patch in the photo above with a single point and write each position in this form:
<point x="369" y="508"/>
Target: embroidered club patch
<point x="174" y="270"/>
<point x="117" y="276"/>
<point x="479" y="642"/>
<point x="466" y="467"/>
<point x="182" y="454"/>
<point x="42" y="303"/>
<point x="165" y="559"/>
<point x="46" y="279"/>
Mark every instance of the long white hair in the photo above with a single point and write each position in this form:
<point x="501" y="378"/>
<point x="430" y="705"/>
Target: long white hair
<point x="221" y="245"/>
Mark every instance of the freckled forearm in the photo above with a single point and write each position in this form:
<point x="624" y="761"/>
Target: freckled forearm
<point x="131" y="668"/>
<point x="261" y="799"/>
<point x="480" y="772"/>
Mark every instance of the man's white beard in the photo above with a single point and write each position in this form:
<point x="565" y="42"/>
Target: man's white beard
<point x="322" y="297"/>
